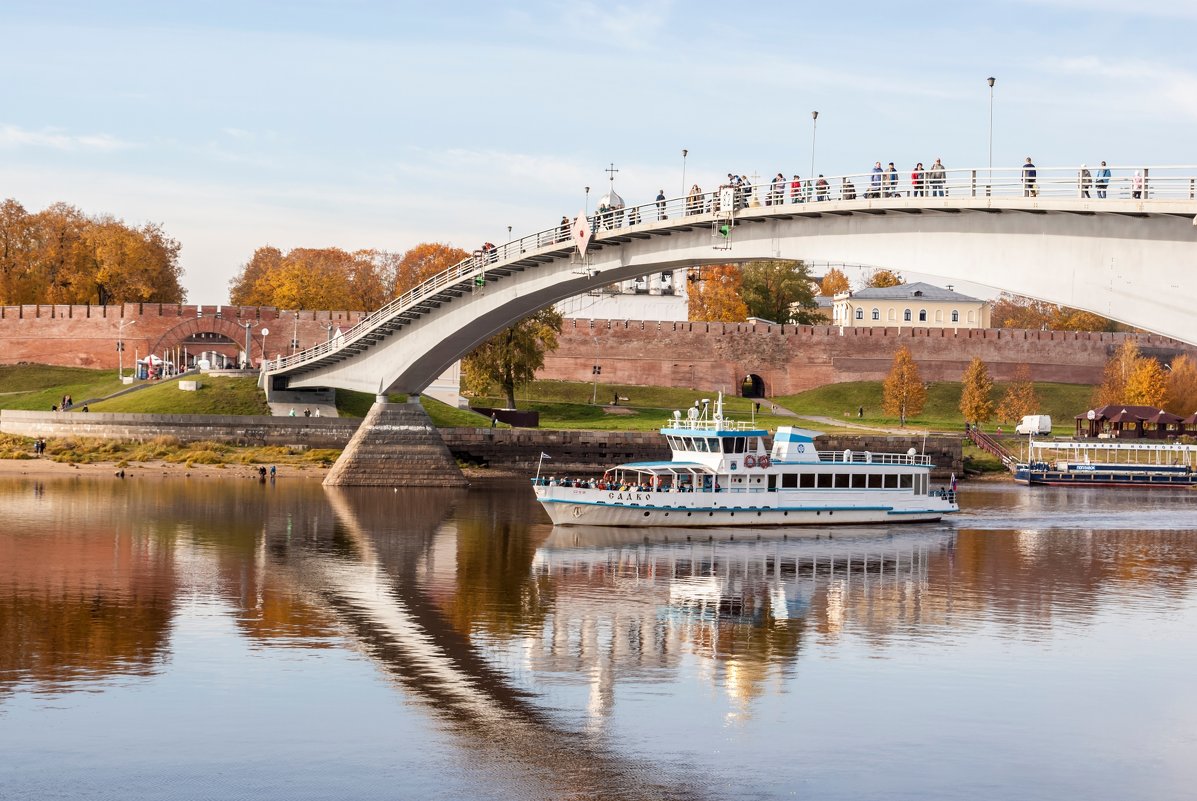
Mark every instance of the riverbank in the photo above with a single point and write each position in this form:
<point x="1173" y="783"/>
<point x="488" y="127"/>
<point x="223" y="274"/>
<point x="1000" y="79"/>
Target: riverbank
<point x="151" y="469"/>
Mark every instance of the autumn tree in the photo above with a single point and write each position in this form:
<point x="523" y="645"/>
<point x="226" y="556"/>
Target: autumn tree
<point x="422" y="262"/>
<point x="512" y="357"/>
<point x="1015" y="311"/>
<point x="61" y="255"/>
<point x="781" y="291"/>
<point x="976" y="387"/>
<point x="1117" y="373"/>
<point x="834" y="283"/>
<point x="1181" y="397"/>
<point x="881" y="278"/>
<point x="1019" y="399"/>
<point x="1147" y="384"/>
<point x="714" y="294"/>
<point x="903" y="392"/>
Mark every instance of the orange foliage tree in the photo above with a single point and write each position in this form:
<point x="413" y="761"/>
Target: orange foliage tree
<point x="1181" y="397"/>
<point x="715" y="294"/>
<point x="903" y="393"/>
<point x="1147" y="384"/>
<point x="331" y="278"/>
<point x="1020" y="398"/>
<point x="61" y="255"/>
<point x="882" y="278"/>
<point x="834" y="282"/>
<point x="1015" y="311"/>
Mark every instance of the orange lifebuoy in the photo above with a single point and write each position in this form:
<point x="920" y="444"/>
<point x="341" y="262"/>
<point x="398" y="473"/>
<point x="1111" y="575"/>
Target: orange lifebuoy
<point x="763" y="461"/>
<point x="750" y="461"/>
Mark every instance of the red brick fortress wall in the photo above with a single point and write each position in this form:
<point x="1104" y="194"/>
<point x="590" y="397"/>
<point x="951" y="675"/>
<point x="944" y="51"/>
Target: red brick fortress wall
<point x="86" y="336"/>
<point x="790" y="359"/>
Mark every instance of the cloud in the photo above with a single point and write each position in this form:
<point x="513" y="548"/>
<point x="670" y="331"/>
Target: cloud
<point x="13" y="137"/>
<point x="1165" y="9"/>
<point x="1155" y="88"/>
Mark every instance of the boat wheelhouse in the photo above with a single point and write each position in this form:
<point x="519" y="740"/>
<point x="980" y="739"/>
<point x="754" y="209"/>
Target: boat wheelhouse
<point x="1108" y="463"/>
<point x="724" y="473"/>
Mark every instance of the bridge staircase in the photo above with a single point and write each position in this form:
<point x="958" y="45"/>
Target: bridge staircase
<point x="992" y="446"/>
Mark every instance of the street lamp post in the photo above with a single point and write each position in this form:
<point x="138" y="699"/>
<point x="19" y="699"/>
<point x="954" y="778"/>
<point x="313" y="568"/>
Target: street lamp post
<point x="814" y="126"/>
<point x="295" y="334"/>
<point x="587" y="201"/>
<point x="265" y="331"/>
<point x="989" y="188"/>
<point x="684" y="154"/>
<point x="120" y="348"/>
<point x="247" y="325"/>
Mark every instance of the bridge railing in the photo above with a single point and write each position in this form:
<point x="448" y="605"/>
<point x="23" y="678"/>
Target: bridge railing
<point x="792" y="193"/>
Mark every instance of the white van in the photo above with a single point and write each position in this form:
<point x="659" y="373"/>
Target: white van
<point x="1034" y="424"/>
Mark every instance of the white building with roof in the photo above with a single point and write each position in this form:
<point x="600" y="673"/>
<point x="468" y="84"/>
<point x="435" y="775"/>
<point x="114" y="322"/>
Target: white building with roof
<point x="918" y="304"/>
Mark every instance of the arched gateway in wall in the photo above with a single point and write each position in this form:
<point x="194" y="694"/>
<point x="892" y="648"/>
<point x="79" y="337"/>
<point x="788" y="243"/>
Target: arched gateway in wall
<point x="198" y="334"/>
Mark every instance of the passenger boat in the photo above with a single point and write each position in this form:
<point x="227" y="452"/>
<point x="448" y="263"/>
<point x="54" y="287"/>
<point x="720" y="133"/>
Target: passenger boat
<point x="723" y="474"/>
<point x="1107" y="463"/>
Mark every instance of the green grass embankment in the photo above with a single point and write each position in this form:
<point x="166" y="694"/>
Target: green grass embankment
<point x="37" y="387"/>
<point x="234" y="395"/>
<point x="942" y="411"/>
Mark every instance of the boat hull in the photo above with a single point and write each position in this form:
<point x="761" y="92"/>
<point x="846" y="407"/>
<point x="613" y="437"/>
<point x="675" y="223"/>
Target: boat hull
<point x="698" y="511"/>
<point x="1070" y="478"/>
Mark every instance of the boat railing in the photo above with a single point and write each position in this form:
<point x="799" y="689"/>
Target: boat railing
<point x="710" y="426"/>
<point x="868" y="457"/>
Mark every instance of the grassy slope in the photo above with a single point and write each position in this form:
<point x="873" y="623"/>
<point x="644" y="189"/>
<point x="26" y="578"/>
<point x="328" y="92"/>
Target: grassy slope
<point x="216" y="395"/>
<point x="38" y="387"/>
<point x="566" y="405"/>
<point x="942" y="412"/>
<point x="356" y="404"/>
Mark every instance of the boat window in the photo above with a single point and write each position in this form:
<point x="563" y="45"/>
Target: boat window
<point x="807" y="481"/>
<point x="712" y="445"/>
<point x="688" y="443"/>
<point x="860" y="481"/>
<point x="825" y="480"/>
<point x="875" y="481"/>
<point x="741" y="444"/>
<point x="842" y="481"/>
<point x="906" y="481"/>
<point x="790" y="480"/>
<point x="891" y="480"/>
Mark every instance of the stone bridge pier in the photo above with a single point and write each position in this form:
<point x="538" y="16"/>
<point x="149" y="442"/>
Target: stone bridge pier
<point x="396" y="446"/>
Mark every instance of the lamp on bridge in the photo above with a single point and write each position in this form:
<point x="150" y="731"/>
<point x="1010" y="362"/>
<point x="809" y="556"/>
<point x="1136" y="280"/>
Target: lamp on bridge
<point x="265" y="331"/>
<point x="814" y="126"/>
<point x="684" y="154"/>
<point x="587" y="207"/>
<point x="991" y="81"/>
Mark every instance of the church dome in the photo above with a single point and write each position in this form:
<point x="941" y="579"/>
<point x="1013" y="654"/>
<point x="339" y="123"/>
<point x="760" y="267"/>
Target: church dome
<point x="611" y="200"/>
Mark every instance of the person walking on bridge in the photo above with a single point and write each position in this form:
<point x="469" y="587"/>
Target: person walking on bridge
<point x="1030" y="187"/>
<point x="1085" y="180"/>
<point x="1103" y="180"/>
<point x="938" y="177"/>
<point x="877" y="176"/>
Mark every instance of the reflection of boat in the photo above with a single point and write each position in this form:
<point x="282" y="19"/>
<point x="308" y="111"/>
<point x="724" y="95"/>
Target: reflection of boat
<point x="722" y="475"/>
<point x="1108" y="463"/>
<point x="565" y="537"/>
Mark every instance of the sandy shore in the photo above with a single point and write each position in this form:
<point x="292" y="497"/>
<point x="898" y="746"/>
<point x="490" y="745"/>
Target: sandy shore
<point x="47" y="467"/>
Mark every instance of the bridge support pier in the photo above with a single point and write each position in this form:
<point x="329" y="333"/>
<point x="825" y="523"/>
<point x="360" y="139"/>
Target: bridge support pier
<point x="396" y="446"/>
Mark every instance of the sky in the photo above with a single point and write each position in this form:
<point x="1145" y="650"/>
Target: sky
<point x="359" y="124"/>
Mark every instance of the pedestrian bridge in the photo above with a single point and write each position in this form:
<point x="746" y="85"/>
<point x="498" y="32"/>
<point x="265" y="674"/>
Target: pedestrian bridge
<point x="1130" y="256"/>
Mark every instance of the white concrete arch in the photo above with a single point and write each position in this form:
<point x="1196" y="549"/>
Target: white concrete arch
<point x="1132" y="260"/>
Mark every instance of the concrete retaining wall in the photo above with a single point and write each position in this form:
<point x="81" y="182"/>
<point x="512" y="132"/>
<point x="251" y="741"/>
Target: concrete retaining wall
<point x="518" y="450"/>
<point x="309" y="432"/>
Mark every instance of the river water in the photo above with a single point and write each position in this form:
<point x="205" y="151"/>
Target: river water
<point x="231" y="639"/>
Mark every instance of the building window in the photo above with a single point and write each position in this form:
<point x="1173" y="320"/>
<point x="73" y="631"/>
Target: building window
<point x="906" y="315"/>
<point x="893" y="315"/>
<point x="955" y="315"/>
<point x="970" y="316"/>
<point x="939" y="315"/>
<point x="876" y="314"/>
<point x="922" y="315"/>
<point x="860" y="314"/>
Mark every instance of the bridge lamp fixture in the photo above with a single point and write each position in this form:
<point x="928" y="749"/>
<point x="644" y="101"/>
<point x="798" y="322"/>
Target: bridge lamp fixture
<point x="814" y="126"/>
<point x="991" y="81"/>
<point x="265" y="331"/>
<point x="587" y="200"/>
<point x="685" y="153"/>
